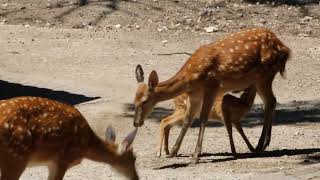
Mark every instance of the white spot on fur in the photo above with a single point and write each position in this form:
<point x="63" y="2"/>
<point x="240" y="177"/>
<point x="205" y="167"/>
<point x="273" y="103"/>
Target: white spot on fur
<point x="231" y="50"/>
<point x="239" y="41"/>
<point x="246" y="46"/>
<point x="6" y="125"/>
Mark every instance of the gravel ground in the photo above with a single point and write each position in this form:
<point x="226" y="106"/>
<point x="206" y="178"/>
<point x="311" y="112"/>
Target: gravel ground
<point x="101" y="63"/>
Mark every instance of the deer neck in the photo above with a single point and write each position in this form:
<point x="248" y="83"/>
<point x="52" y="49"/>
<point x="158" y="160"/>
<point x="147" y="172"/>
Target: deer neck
<point x="171" y="88"/>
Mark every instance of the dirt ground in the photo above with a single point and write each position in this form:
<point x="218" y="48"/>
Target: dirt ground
<point x="99" y="60"/>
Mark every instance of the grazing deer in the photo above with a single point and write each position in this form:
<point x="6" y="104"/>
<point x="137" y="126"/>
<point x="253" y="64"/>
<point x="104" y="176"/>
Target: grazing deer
<point x="250" y="57"/>
<point x="227" y="109"/>
<point x="39" y="131"/>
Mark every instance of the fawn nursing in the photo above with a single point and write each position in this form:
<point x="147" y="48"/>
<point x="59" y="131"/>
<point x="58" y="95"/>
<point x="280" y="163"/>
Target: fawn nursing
<point x="40" y="131"/>
<point x="228" y="109"/>
<point x="250" y="57"/>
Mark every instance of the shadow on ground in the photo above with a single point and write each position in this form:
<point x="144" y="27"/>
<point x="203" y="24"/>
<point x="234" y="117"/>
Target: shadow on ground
<point x="274" y="153"/>
<point x="289" y="113"/>
<point x="10" y="90"/>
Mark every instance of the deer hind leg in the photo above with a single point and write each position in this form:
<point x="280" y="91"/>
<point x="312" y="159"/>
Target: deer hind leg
<point x="210" y="93"/>
<point x="11" y="168"/>
<point x="264" y="90"/>
<point x="165" y="126"/>
<point x="228" y="124"/>
<point x="238" y="126"/>
<point x="194" y="103"/>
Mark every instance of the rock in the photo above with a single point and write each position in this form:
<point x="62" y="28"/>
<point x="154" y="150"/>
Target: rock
<point x="3" y="21"/>
<point x="307" y="18"/>
<point x="164" y="42"/>
<point x="137" y="26"/>
<point x="164" y="28"/>
<point x="118" y="26"/>
<point x="303" y="35"/>
<point x="211" y="29"/>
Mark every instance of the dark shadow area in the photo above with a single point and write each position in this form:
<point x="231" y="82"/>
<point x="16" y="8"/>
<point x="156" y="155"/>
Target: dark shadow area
<point x="10" y="90"/>
<point x="9" y="12"/>
<point x="289" y="113"/>
<point x="111" y="6"/>
<point x="274" y="153"/>
<point x="289" y="2"/>
<point x="311" y="159"/>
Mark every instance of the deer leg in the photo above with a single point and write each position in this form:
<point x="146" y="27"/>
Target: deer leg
<point x="229" y="130"/>
<point x="264" y="90"/>
<point x="12" y="168"/>
<point x="244" y="137"/>
<point x="165" y="127"/>
<point x="177" y="119"/>
<point x="57" y="170"/>
<point x="193" y="105"/>
<point x="166" y="140"/>
<point x="209" y="96"/>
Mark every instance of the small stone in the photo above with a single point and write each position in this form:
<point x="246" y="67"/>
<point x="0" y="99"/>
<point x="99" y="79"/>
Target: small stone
<point x="3" y="21"/>
<point x="117" y="26"/>
<point x="164" y="42"/>
<point x="27" y="25"/>
<point x="164" y="28"/>
<point x="137" y="27"/>
<point x="211" y="29"/>
<point x="303" y="35"/>
<point x="307" y="18"/>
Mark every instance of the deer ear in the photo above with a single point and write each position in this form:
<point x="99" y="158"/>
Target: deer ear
<point x="153" y="80"/>
<point x="127" y="142"/>
<point x="110" y="134"/>
<point x="139" y="74"/>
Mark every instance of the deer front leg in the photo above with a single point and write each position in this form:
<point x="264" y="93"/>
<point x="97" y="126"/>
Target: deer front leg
<point x="265" y="92"/>
<point x="209" y="96"/>
<point x="194" y="103"/>
<point x="12" y="168"/>
<point x="165" y="127"/>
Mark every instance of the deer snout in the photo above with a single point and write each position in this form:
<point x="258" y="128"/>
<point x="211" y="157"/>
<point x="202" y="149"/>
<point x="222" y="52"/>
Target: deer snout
<point x="138" y="121"/>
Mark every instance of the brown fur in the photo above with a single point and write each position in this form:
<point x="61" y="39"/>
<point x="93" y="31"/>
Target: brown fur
<point x="40" y="131"/>
<point x="249" y="57"/>
<point x="228" y="104"/>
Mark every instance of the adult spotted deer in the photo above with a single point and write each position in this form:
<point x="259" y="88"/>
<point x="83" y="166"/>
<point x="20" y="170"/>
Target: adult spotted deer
<point x="39" y="131"/>
<point x="228" y="109"/>
<point x="250" y="57"/>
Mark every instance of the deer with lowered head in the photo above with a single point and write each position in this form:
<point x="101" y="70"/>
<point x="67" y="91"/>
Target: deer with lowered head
<point x="228" y="109"/>
<point x="248" y="57"/>
<point x="39" y="131"/>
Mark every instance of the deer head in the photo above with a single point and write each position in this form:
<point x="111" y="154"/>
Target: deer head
<point x="144" y="100"/>
<point x="126" y="162"/>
